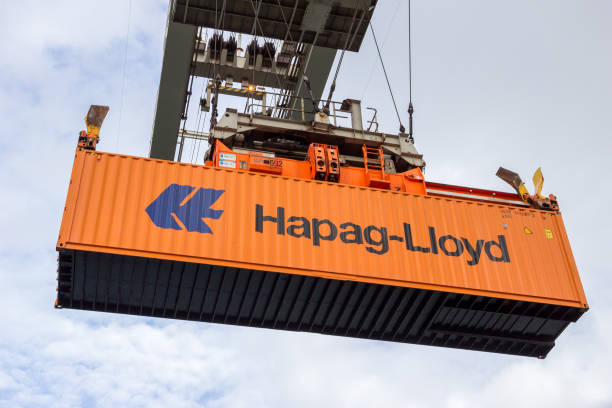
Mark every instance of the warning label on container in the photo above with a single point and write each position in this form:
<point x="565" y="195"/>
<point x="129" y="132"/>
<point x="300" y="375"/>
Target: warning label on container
<point x="227" y="156"/>
<point x="227" y="163"/>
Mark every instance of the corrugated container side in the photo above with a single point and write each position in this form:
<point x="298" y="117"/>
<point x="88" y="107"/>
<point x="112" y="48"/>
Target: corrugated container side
<point x="209" y="216"/>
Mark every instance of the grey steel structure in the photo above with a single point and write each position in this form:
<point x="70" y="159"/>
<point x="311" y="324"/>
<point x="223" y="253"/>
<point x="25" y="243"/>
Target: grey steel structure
<point x="292" y="71"/>
<point x="311" y="32"/>
<point x="325" y="23"/>
<point x="290" y="138"/>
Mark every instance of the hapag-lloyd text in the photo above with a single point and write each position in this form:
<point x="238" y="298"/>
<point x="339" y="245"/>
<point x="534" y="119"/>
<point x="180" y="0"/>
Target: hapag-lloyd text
<point x="376" y="238"/>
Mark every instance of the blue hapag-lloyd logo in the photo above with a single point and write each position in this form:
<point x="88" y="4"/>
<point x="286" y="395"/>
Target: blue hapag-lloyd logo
<point x="185" y="208"/>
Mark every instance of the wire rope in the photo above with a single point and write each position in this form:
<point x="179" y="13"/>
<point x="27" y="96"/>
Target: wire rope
<point x="199" y="115"/>
<point x="332" y="88"/>
<point x="218" y="22"/>
<point x="410" y="107"/>
<point x="402" y="129"/>
<point x="282" y="92"/>
<point x="256" y="25"/>
<point x="409" y="52"/>
<point x="382" y="46"/>
<point x="125" y="56"/>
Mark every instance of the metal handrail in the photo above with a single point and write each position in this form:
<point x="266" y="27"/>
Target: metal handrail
<point x="249" y="108"/>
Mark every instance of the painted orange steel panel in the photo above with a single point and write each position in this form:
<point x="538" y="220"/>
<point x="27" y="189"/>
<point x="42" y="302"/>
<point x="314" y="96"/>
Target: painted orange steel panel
<point x="149" y="208"/>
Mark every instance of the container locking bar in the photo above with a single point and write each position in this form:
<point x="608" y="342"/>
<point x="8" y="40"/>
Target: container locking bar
<point x="537" y="200"/>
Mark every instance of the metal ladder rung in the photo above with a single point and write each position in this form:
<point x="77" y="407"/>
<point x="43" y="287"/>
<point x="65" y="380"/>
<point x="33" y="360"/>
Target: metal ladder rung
<point x="373" y="159"/>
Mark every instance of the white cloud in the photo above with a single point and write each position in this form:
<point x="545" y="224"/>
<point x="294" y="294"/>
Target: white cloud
<point x="510" y="95"/>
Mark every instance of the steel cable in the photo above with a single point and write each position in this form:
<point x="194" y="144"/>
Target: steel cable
<point x="409" y="52"/>
<point x="382" y="45"/>
<point x="410" y="107"/>
<point x="258" y="24"/>
<point x="402" y="129"/>
<point x="332" y="88"/>
<point x="125" y="56"/>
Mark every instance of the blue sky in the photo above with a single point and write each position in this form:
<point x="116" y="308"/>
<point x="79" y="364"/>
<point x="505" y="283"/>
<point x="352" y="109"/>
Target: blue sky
<point x="519" y="84"/>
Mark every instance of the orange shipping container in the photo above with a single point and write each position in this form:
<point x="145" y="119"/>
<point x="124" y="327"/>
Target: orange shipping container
<point x="428" y="270"/>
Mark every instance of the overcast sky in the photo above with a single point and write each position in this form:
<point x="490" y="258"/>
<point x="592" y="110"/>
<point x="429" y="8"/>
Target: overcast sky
<point x="516" y="83"/>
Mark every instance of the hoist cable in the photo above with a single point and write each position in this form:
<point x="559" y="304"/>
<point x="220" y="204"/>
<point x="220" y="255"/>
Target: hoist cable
<point x="409" y="54"/>
<point x="299" y="86"/>
<point x="219" y="23"/>
<point x="200" y="140"/>
<point x="198" y="116"/>
<point x="191" y="78"/>
<point x="125" y="55"/>
<point x="350" y="45"/>
<point x="216" y="81"/>
<point x="282" y="92"/>
<point x="402" y="129"/>
<point x="257" y="24"/>
<point x="287" y="24"/>
<point x="410" y="107"/>
<point x="187" y="98"/>
<point x="332" y="88"/>
<point x="254" y="39"/>
<point x="201" y="118"/>
<point x="382" y="46"/>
